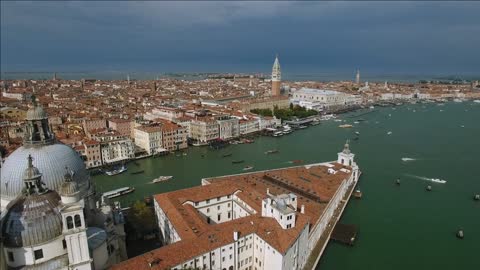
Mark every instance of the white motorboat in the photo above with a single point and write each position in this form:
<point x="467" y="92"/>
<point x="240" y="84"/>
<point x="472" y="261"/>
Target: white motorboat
<point x="161" y="179"/>
<point x="116" y="171"/>
<point x="436" y="180"/>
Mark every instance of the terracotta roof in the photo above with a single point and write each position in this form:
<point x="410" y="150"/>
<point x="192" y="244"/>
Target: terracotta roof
<point x="313" y="185"/>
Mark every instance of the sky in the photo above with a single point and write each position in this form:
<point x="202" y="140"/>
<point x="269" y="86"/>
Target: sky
<point x="242" y="36"/>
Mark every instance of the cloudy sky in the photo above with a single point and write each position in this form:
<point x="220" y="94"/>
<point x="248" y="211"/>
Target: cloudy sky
<point x="240" y="36"/>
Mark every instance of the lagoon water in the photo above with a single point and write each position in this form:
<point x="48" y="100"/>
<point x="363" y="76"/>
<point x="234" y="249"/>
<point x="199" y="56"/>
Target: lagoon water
<point x="400" y="227"/>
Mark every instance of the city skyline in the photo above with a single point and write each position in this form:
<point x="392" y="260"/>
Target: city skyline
<point x="424" y="37"/>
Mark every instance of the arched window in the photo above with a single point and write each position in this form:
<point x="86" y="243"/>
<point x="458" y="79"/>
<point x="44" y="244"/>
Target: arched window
<point x="343" y="161"/>
<point x="69" y="222"/>
<point x="350" y="162"/>
<point x="230" y="268"/>
<point x="78" y="221"/>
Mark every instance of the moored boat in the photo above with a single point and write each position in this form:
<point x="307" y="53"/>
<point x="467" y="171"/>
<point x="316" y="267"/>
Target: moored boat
<point x="345" y="126"/>
<point x="273" y="151"/>
<point x="277" y="134"/>
<point x="137" y="172"/>
<point x="237" y="161"/>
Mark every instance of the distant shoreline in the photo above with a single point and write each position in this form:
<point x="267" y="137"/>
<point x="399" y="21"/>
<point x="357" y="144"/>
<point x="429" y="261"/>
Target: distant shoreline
<point x="313" y="76"/>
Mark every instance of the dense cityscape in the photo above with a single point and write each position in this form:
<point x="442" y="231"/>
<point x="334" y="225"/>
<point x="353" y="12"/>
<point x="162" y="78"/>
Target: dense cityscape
<point x="109" y="122"/>
<point x="225" y="135"/>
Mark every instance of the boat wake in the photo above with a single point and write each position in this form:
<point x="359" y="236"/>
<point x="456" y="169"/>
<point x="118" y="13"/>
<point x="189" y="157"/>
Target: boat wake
<point x="405" y="159"/>
<point x="434" y="180"/>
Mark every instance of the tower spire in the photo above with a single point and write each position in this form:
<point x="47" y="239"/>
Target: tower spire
<point x="276" y="77"/>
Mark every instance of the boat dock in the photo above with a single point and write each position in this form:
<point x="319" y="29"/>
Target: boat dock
<point x="345" y="234"/>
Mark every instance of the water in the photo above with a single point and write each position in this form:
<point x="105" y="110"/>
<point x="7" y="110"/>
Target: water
<point x="400" y="227"/>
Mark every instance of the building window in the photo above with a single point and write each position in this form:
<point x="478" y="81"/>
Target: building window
<point x="10" y="256"/>
<point x="208" y="201"/>
<point x="78" y="221"/>
<point x="218" y="199"/>
<point x="208" y="210"/>
<point x="218" y="207"/>
<point x="69" y="222"/>
<point x="64" y="244"/>
<point x="38" y="254"/>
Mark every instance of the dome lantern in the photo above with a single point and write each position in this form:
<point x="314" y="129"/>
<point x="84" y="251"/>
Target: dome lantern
<point x="32" y="179"/>
<point x="37" y="127"/>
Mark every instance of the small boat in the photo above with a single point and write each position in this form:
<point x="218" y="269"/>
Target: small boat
<point x="271" y="151"/>
<point x="429" y="188"/>
<point x="247" y="168"/>
<point x="161" y="179"/>
<point x="460" y="234"/>
<point x="476" y="101"/>
<point x="345" y="126"/>
<point x="356" y="132"/>
<point x="137" y="172"/>
<point x="436" y="180"/>
<point x="118" y="192"/>
<point x="398" y="181"/>
<point x="277" y="134"/>
<point x="371" y="107"/>
<point x="476" y="197"/>
<point x="356" y="122"/>
<point x="357" y="194"/>
<point x="227" y="155"/>
<point x="237" y="161"/>
<point x="389" y="133"/>
<point x="405" y="159"/>
<point x="116" y="171"/>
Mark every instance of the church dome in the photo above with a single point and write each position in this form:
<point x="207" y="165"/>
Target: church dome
<point x="33" y="220"/>
<point x="51" y="160"/>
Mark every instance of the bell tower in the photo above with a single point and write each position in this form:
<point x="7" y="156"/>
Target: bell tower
<point x="276" y="77"/>
<point x="74" y="227"/>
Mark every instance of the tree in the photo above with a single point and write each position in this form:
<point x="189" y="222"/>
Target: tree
<point x="142" y="218"/>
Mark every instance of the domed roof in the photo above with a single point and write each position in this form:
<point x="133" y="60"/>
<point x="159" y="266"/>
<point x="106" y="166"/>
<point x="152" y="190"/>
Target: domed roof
<point x="70" y="186"/>
<point x="36" y="113"/>
<point x="33" y="220"/>
<point x="50" y="159"/>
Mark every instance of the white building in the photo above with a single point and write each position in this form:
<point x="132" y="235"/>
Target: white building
<point x="50" y="218"/>
<point x="261" y="220"/>
<point x="203" y="130"/>
<point x="115" y="147"/>
<point x="149" y="138"/>
<point x="164" y="112"/>
<point x="323" y="99"/>
<point x="228" y="127"/>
